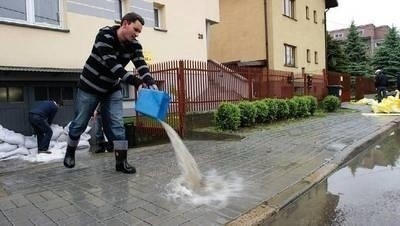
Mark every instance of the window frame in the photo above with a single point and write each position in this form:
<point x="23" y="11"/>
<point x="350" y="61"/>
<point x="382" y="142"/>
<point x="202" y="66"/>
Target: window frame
<point x="289" y="8"/>
<point x="289" y="55"/>
<point x="30" y="16"/>
<point x="316" y="57"/>
<point x="61" y="90"/>
<point x="308" y="55"/>
<point x="315" y="16"/>
<point x="119" y="11"/>
<point x="307" y="13"/>
<point x="7" y="92"/>
<point x="161" y="21"/>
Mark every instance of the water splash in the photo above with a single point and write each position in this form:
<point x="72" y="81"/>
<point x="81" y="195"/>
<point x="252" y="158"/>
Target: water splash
<point x="215" y="190"/>
<point x="194" y="188"/>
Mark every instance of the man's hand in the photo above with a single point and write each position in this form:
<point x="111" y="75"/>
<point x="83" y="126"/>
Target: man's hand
<point x="154" y="86"/>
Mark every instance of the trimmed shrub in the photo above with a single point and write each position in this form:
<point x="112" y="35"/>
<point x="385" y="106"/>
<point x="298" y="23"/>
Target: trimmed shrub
<point x="248" y="112"/>
<point x="302" y="106"/>
<point x="283" y="109"/>
<point x="273" y="109"/>
<point x="312" y="104"/>
<point x="331" y="103"/>
<point x="262" y="111"/>
<point x="227" y="116"/>
<point x="293" y="105"/>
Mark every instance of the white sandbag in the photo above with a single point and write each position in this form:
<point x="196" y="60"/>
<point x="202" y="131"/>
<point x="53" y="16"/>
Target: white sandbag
<point x="11" y="137"/>
<point x="85" y="136"/>
<point x="60" y="145"/>
<point x="63" y="137"/>
<point x="66" y="128"/>
<point x="30" y="142"/>
<point x="33" y="151"/>
<point x="83" y="144"/>
<point x="16" y="152"/>
<point x="6" y="147"/>
<point x="52" y="143"/>
<point x="57" y="131"/>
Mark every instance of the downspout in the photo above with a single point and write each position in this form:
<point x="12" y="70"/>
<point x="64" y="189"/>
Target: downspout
<point x="326" y="40"/>
<point x="266" y="34"/>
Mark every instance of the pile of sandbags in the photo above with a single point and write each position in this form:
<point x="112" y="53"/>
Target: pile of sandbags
<point x="15" y="145"/>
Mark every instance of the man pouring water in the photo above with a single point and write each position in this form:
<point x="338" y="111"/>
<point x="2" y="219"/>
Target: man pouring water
<point x="100" y="81"/>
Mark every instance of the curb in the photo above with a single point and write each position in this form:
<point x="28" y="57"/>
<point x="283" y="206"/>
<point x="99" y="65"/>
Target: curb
<point x="268" y="208"/>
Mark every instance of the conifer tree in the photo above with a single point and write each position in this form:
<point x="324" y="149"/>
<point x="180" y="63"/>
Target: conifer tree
<point x="387" y="56"/>
<point x="335" y="57"/>
<point x="356" y="53"/>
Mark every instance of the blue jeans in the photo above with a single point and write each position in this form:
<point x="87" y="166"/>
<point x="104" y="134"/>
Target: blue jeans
<point x="111" y="113"/>
<point x="98" y="126"/>
<point x="42" y="129"/>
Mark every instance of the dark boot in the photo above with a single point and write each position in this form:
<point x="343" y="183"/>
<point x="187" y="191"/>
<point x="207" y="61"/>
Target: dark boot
<point x="100" y="148"/>
<point x="121" y="163"/>
<point x="109" y="147"/>
<point x="69" y="159"/>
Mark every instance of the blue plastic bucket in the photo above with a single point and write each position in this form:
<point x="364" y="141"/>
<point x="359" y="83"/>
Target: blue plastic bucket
<point x="153" y="103"/>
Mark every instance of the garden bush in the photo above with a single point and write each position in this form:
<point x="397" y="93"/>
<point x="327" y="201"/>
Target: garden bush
<point x="312" y="104"/>
<point x="283" y="109"/>
<point x="293" y="105"/>
<point x="273" y="109"/>
<point x="227" y="116"/>
<point x="302" y="107"/>
<point x="262" y="111"/>
<point x="331" y="103"/>
<point x="248" y="112"/>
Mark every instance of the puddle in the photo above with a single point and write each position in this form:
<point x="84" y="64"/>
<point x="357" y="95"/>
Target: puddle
<point x="364" y="192"/>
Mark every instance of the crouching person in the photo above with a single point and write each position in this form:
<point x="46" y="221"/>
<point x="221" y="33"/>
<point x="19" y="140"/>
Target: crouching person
<point x="100" y="81"/>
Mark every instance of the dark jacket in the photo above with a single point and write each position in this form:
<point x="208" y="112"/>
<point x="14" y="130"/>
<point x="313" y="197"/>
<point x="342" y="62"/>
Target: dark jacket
<point x="47" y="109"/>
<point x="381" y="80"/>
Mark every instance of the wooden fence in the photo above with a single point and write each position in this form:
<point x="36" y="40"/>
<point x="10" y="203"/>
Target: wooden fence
<point x="196" y="86"/>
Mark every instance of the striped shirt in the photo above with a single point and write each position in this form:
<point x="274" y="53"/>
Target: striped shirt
<point x="105" y="67"/>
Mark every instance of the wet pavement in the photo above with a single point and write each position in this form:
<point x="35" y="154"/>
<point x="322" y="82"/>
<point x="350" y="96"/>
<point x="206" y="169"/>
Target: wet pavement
<point x="366" y="191"/>
<point x="276" y="165"/>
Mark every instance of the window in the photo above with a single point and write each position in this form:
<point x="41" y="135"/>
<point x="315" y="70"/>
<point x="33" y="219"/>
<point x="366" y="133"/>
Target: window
<point x="36" y="12"/>
<point x="159" y="16"/>
<point x="288" y="8"/>
<point x="157" y="22"/>
<point x="307" y="13"/>
<point x="316" y="57"/>
<point x="315" y="16"/>
<point x="118" y="9"/>
<point x="308" y="56"/>
<point x="290" y="52"/>
<point x="11" y="94"/>
<point x="54" y="93"/>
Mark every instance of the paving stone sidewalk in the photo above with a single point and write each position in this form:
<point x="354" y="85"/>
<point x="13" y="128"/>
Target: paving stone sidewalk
<point x="268" y="161"/>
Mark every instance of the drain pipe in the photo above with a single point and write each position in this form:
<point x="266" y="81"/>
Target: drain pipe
<point x="326" y="40"/>
<point x="266" y="34"/>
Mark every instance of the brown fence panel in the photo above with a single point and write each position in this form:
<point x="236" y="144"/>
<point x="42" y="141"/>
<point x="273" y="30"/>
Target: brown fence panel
<point x="299" y="84"/>
<point x="280" y="84"/>
<point x="318" y="86"/>
<point x="364" y="85"/>
<point x="336" y="78"/>
<point x="166" y="76"/>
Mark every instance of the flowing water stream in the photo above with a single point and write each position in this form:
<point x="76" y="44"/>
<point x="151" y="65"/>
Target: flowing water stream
<point x="196" y="188"/>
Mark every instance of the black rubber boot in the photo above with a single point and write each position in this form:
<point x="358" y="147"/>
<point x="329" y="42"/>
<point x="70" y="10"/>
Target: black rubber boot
<point x="109" y="147"/>
<point x="101" y="148"/>
<point x="69" y="159"/>
<point x="121" y="163"/>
